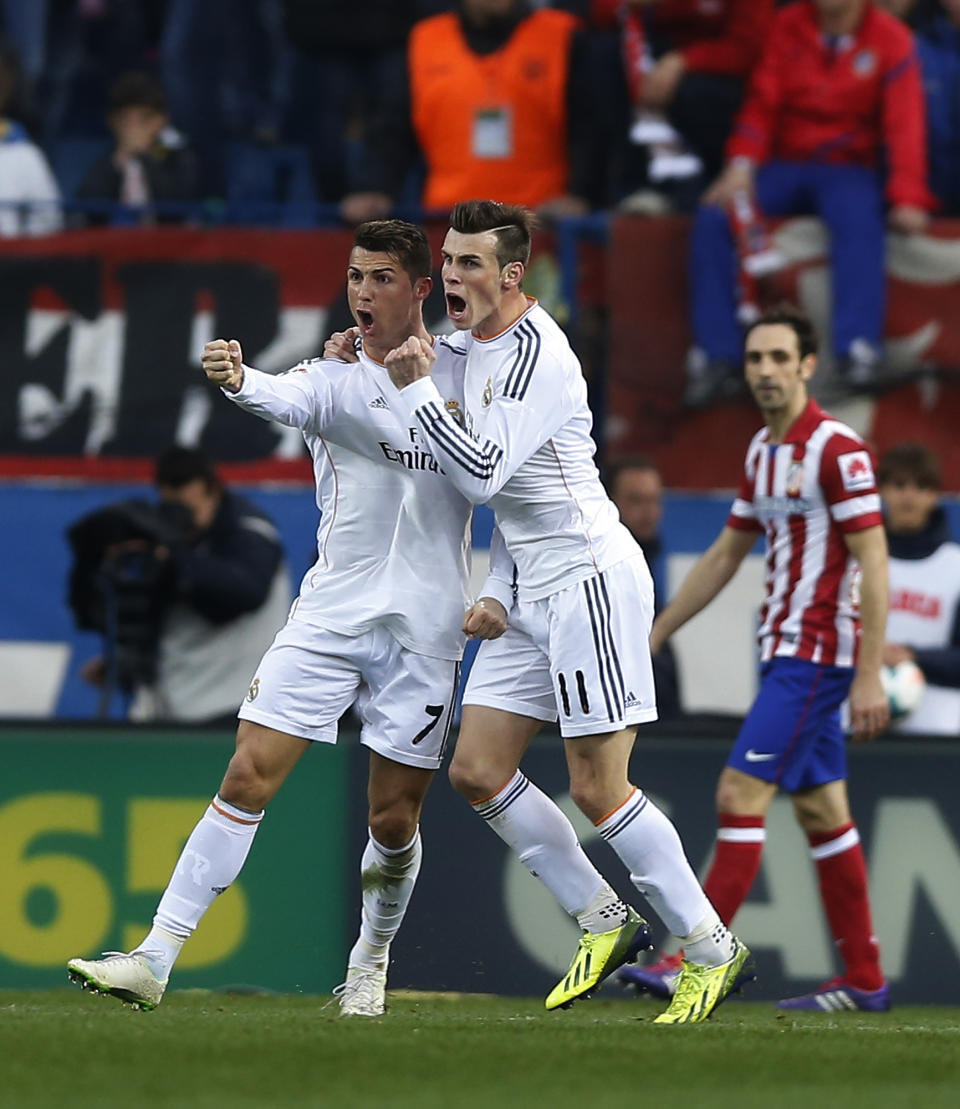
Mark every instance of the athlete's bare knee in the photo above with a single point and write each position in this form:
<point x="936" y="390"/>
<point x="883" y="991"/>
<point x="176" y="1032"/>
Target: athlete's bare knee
<point x="586" y="795"/>
<point x="822" y="809"/>
<point x="474" y="779"/>
<point x="259" y="765"/>
<point x="741" y="794"/>
<point x="728" y="799"/>
<point x="243" y="784"/>
<point x="465" y="779"/>
<point x="394" y="824"/>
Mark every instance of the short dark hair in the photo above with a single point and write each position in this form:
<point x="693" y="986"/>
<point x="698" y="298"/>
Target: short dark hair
<point x="401" y="240"/>
<point x="910" y="462"/>
<point x="612" y="472"/>
<point x="178" y="466"/>
<point x="790" y="316"/>
<point x="513" y="224"/>
<point x="136" y="90"/>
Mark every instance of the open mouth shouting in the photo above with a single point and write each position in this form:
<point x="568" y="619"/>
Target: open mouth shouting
<point x="365" y="320"/>
<point x="456" y="306"/>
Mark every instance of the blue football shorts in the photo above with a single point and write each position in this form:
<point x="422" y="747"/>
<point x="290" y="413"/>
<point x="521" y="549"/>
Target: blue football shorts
<point x="793" y="736"/>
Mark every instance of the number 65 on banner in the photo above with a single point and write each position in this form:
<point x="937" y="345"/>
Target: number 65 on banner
<point x="57" y="903"/>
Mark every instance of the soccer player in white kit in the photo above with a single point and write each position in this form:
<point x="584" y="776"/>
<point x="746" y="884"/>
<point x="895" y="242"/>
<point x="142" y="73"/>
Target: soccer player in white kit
<point x="392" y="531"/>
<point x="580" y="604"/>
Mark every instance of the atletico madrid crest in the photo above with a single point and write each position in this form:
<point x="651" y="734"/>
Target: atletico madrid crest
<point x="795" y="479"/>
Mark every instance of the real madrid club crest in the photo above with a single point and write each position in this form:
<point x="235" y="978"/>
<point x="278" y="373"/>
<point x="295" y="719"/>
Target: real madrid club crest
<point x="487" y="399"/>
<point x="453" y="407"/>
<point x="254" y="690"/>
<point x="795" y="479"/>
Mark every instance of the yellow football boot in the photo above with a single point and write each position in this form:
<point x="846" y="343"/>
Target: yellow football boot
<point x="700" y="989"/>
<point x="598" y="955"/>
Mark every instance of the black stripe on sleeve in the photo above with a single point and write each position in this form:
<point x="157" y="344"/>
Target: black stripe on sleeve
<point x="480" y="462"/>
<point x="519" y="381"/>
<point x="516" y="370"/>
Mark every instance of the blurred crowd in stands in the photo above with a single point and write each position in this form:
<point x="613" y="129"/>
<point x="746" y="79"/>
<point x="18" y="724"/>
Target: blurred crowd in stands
<point x="570" y="106"/>
<point x="312" y="111"/>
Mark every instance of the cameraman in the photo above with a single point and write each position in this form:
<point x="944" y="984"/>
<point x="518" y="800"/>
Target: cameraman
<point x="209" y="564"/>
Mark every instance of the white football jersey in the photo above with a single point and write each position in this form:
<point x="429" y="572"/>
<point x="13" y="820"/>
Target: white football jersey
<point x="527" y="451"/>
<point x="394" y="536"/>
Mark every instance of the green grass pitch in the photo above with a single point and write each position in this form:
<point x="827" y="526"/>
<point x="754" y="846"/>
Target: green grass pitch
<point x="67" y="1048"/>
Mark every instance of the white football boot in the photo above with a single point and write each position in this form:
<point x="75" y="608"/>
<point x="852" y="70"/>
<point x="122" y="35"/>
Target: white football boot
<point x="127" y="977"/>
<point x="363" y="993"/>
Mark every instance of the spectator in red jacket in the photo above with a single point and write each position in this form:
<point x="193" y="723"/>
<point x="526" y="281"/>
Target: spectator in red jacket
<point x="836" y="97"/>
<point x="686" y="62"/>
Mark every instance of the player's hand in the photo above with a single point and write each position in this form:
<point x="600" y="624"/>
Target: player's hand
<point x="487" y="619"/>
<point x="737" y="177"/>
<point x="869" y="709"/>
<point x="340" y="345"/>
<point x="659" y="86"/>
<point x="908" y="219"/>
<point x="896" y="652"/>
<point x="410" y="361"/>
<point x="222" y="362"/>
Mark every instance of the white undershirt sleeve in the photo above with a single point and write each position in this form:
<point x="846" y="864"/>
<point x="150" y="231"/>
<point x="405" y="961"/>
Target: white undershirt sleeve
<point x="298" y="398"/>
<point x="501" y="583"/>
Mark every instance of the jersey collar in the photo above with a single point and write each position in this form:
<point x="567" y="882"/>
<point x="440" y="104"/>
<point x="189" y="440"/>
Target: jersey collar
<point x="369" y="357"/>
<point x="532" y="302"/>
<point x="805" y="424"/>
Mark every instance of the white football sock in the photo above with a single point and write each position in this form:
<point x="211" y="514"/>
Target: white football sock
<point x="211" y="859"/>
<point x="526" y="819"/>
<point x="711" y="943"/>
<point x="649" y="846"/>
<point x="604" y="913"/>
<point x="388" y="876"/>
<point x="161" y="949"/>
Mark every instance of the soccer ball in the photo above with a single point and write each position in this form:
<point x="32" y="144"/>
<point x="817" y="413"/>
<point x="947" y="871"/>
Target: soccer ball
<point x="904" y="685"/>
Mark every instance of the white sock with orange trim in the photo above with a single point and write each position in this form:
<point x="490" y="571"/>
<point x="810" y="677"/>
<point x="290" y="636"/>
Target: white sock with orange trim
<point x="648" y="844"/>
<point x="532" y="825"/>
<point x="211" y="859"/>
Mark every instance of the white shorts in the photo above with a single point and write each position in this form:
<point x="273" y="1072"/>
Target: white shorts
<point x="581" y="655"/>
<point x="309" y="677"/>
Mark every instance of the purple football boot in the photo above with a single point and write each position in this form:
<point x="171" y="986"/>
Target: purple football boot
<point x="837" y="996"/>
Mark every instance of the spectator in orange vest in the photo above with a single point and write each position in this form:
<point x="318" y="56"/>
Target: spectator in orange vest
<point x="496" y="103"/>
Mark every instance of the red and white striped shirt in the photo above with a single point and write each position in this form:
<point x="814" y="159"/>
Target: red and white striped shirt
<point x="805" y="494"/>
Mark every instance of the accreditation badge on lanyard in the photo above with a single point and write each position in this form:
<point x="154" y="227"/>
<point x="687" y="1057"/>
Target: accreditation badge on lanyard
<point x="492" y="133"/>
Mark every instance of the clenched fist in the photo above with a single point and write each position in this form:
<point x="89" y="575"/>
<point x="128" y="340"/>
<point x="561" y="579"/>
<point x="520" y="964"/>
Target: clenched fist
<point x="410" y="361"/>
<point x="340" y="345"/>
<point x="487" y="619"/>
<point x="222" y="362"/>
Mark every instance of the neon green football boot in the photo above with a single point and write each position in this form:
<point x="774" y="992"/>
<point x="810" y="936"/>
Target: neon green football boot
<point x="598" y="955"/>
<point x="700" y="989"/>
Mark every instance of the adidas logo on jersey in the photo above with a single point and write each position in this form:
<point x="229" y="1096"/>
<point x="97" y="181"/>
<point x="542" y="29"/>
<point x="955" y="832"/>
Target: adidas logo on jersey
<point x="378" y="402"/>
<point x="631" y="700"/>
